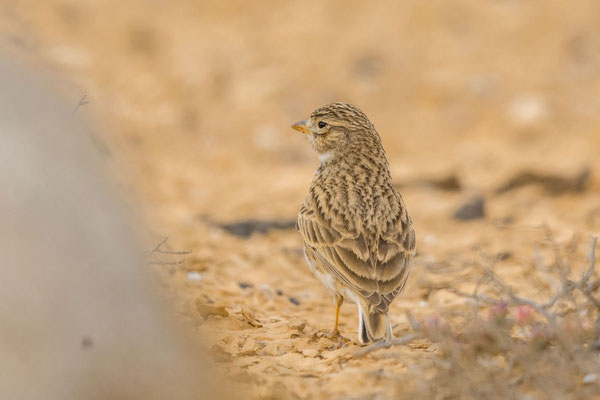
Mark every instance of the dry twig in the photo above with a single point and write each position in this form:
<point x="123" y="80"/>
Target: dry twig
<point x="157" y="249"/>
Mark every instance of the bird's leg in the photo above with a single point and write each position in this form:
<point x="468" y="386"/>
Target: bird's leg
<point x="339" y="300"/>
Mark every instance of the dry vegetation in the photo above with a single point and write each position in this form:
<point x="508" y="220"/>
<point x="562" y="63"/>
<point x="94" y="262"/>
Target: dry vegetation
<point x="489" y="112"/>
<point x="518" y="347"/>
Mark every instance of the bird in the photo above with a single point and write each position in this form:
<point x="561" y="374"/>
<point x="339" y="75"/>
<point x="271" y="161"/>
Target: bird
<point x="358" y="238"/>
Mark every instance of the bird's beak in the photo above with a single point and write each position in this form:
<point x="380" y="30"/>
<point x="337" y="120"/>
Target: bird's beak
<point x="302" y="126"/>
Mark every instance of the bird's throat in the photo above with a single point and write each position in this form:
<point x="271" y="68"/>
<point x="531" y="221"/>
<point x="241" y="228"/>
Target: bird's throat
<point x="325" y="156"/>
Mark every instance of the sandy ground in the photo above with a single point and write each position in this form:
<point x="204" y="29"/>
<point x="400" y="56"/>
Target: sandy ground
<point x="195" y="99"/>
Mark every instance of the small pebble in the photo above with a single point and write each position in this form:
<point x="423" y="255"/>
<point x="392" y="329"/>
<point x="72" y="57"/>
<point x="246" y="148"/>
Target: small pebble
<point x="245" y="285"/>
<point x="310" y="353"/>
<point x="194" y="276"/>
<point x="266" y="290"/>
<point x="590" y="378"/>
<point x="527" y="110"/>
<point x="430" y="240"/>
<point x="294" y="301"/>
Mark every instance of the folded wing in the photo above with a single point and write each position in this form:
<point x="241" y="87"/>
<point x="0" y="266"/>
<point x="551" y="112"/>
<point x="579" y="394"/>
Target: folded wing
<point x="375" y="265"/>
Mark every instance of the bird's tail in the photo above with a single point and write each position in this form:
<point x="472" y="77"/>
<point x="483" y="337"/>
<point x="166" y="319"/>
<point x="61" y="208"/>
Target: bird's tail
<point x="373" y="325"/>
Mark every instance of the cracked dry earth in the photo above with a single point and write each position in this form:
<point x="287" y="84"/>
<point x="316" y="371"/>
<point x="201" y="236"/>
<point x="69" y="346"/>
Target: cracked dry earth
<point x="194" y="101"/>
<point x="268" y="319"/>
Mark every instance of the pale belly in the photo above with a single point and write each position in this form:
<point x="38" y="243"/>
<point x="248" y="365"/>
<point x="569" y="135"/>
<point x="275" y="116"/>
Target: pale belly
<point x="331" y="282"/>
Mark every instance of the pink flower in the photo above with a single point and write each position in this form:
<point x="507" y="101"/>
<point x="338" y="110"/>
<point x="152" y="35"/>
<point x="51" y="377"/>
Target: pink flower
<point x="524" y="315"/>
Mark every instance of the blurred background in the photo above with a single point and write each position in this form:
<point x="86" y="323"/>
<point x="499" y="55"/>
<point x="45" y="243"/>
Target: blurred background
<point x="489" y="112"/>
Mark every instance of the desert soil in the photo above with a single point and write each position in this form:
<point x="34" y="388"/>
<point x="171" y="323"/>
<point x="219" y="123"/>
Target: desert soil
<point x="194" y="100"/>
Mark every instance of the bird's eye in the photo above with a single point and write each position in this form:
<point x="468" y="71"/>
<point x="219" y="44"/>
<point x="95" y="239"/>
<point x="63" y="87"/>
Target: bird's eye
<point x="322" y="124"/>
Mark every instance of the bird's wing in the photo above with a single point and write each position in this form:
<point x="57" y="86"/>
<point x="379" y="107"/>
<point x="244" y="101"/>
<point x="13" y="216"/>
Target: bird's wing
<point x="377" y="271"/>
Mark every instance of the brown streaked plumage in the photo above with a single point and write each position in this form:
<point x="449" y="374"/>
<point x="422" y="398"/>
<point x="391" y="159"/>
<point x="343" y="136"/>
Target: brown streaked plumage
<point x="358" y="238"/>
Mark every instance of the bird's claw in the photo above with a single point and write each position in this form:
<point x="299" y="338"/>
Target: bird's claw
<point x="336" y="337"/>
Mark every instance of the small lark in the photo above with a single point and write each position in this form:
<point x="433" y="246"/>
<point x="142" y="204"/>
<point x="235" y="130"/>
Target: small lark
<point x="358" y="238"/>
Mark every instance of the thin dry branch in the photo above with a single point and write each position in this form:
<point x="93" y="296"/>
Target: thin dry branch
<point x="518" y="300"/>
<point x="583" y="284"/>
<point x="157" y="247"/>
<point x="413" y="321"/>
<point x="478" y="297"/>
<point x="560" y="265"/>
<point x="82" y="102"/>
<point x="591" y="258"/>
<point x="176" y="263"/>
<point x="157" y="250"/>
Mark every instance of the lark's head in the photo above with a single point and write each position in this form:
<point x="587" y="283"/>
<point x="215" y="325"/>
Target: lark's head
<point x="338" y="128"/>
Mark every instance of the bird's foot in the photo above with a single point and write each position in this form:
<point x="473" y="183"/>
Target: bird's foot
<point x="335" y="336"/>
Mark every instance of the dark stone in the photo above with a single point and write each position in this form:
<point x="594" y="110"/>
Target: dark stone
<point x="246" y="228"/>
<point x="369" y="66"/>
<point x="553" y="184"/>
<point x="450" y="183"/>
<point x="245" y="285"/>
<point x="472" y="209"/>
<point x="294" y="301"/>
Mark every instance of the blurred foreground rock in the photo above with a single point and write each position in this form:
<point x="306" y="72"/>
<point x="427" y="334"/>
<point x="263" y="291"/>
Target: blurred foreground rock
<point x="79" y="316"/>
